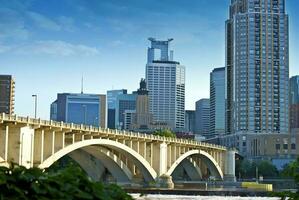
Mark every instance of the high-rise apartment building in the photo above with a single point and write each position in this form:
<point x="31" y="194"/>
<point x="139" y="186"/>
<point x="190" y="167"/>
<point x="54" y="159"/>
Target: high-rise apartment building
<point x="217" y="101"/>
<point x="202" y="117"/>
<point x="166" y="85"/>
<point x="257" y="67"/>
<point x="7" y="94"/>
<point x="111" y="103"/>
<point x="88" y="109"/>
<point x="294" y="102"/>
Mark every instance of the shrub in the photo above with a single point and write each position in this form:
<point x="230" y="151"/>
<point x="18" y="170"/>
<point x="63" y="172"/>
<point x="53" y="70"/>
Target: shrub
<point x="17" y="182"/>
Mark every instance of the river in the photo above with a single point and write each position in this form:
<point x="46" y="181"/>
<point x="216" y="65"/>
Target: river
<point x="180" y="197"/>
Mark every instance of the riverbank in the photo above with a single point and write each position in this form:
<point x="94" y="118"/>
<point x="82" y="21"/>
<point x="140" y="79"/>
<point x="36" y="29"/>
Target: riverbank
<point x="201" y="192"/>
<point x="180" y="197"/>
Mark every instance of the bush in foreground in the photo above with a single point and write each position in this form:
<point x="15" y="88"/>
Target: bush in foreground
<point x="17" y="182"/>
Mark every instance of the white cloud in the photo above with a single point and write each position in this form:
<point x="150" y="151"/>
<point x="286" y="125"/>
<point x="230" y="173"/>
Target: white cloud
<point x="51" y="47"/>
<point x="117" y="43"/>
<point x="43" y="21"/>
<point x="12" y="25"/>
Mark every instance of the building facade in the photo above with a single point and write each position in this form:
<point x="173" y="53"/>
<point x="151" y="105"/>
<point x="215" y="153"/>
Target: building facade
<point x="202" y="116"/>
<point x="111" y="104"/>
<point x="7" y="94"/>
<point x="217" y="102"/>
<point x="142" y="119"/>
<point x="257" y="67"/>
<point x="166" y="85"/>
<point x="88" y="109"/>
<point x="190" y="121"/>
<point x="294" y="102"/>
<point x="124" y="102"/>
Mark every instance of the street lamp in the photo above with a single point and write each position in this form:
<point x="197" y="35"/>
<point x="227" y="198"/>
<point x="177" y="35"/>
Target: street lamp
<point x="35" y="104"/>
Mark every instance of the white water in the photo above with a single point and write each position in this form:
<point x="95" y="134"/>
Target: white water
<point x="184" y="197"/>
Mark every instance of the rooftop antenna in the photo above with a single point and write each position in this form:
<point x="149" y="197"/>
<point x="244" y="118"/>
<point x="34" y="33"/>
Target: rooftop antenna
<point x="82" y="85"/>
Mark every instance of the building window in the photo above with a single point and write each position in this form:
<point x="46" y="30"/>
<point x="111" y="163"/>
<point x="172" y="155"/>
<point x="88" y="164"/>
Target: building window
<point x="277" y="146"/>
<point x="285" y="146"/>
<point x="293" y="146"/>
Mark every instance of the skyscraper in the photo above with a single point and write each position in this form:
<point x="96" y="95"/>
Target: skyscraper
<point x="217" y="101"/>
<point x="202" y="117"/>
<point x="257" y="67"/>
<point x="142" y="118"/>
<point x="7" y="94"/>
<point x="89" y="109"/>
<point x="111" y="102"/>
<point x="294" y="102"/>
<point x="166" y="85"/>
<point x="125" y="105"/>
<point x="294" y="90"/>
<point x="190" y="121"/>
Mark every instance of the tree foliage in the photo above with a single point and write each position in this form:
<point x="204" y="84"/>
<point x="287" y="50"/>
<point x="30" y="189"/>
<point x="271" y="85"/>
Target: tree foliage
<point x="165" y="133"/>
<point x="290" y="170"/>
<point x="17" y="182"/>
<point x="247" y="169"/>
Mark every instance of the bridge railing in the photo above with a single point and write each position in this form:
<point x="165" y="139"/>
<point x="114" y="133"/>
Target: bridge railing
<point x="88" y="128"/>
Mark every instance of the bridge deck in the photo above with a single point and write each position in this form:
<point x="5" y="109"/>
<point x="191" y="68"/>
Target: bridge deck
<point x="80" y="128"/>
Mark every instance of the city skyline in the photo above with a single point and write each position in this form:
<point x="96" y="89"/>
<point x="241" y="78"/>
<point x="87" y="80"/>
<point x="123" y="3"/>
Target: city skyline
<point x="55" y="46"/>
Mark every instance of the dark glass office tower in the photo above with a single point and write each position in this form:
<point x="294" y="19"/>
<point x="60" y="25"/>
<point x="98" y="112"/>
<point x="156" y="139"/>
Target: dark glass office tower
<point x="217" y="102"/>
<point x="257" y="67"/>
<point x="7" y="94"/>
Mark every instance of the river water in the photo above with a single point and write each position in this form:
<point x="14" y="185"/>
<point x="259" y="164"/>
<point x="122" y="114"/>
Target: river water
<point x="180" y="197"/>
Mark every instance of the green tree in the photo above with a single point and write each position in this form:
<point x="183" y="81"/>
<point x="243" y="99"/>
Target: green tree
<point x="17" y="182"/>
<point x="290" y="170"/>
<point x="165" y="133"/>
<point x="267" y="169"/>
<point x="247" y="168"/>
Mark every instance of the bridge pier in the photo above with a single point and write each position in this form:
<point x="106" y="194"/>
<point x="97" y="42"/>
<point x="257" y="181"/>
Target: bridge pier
<point x="229" y="173"/>
<point x="165" y="181"/>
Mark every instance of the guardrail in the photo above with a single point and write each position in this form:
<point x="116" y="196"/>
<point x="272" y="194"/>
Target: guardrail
<point x="81" y="127"/>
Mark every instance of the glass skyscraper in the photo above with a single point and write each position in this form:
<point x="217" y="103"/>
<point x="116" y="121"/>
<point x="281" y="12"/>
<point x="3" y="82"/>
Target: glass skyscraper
<point x="190" y="121"/>
<point x="166" y="85"/>
<point x="111" y="102"/>
<point x="257" y="67"/>
<point x="294" y="103"/>
<point x="124" y="103"/>
<point x="7" y="94"/>
<point x="88" y="109"/>
<point x="202" y="117"/>
<point x="294" y="90"/>
<point x="217" y="102"/>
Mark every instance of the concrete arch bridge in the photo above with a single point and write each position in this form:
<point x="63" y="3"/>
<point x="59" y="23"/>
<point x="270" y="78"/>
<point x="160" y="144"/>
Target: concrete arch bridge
<point x="124" y="157"/>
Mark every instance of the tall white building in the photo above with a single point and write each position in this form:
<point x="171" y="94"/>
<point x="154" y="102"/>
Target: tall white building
<point x="166" y="85"/>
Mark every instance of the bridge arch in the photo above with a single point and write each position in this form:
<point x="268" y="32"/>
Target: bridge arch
<point x="147" y="171"/>
<point x="206" y="157"/>
<point x="95" y="162"/>
<point x="190" y="167"/>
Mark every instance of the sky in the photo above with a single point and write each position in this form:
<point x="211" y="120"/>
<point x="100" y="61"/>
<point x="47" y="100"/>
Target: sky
<point x="47" y="46"/>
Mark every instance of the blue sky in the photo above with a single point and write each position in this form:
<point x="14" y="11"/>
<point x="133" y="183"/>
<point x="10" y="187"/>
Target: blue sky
<point x="48" y="45"/>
